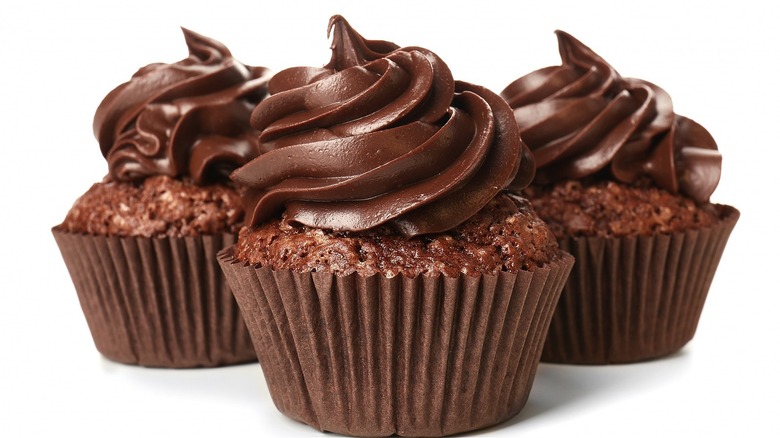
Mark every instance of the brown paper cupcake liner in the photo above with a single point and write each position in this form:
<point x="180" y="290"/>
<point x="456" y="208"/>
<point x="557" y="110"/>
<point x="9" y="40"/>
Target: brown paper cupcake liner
<point x="158" y="302"/>
<point x="376" y="356"/>
<point x="635" y="298"/>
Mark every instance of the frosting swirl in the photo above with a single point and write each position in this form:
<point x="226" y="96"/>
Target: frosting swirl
<point x="187" y="118"/>
<point x="582" y="118"/>
<point x="380" y="135"/>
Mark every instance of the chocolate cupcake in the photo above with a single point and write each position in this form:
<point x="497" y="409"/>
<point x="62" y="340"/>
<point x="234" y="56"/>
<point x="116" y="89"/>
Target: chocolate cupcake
<point x="141" y="245"/>
<point x="389" y="282"/>
<point x="624" y="182"/>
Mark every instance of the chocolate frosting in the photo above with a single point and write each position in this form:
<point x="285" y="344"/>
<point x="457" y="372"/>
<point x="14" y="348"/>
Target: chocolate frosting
<point x="190" y="118"/>
<point x="582" y="118"/>
<point x="380" y="135"/>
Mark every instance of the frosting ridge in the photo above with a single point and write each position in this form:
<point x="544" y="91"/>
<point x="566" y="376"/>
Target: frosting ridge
<point x="189" y="118"/>
<point x="380" y="135"/>
<point x="582" y="118"/>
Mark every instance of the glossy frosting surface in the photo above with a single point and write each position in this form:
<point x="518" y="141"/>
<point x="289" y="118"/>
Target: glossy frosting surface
<point x="582" y="119"/>
<point x="190" y="118"/>
<point x="380" y="135"/>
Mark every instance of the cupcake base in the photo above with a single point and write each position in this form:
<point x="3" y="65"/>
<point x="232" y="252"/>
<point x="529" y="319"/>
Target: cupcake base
<point x="157" y="302"/>
<point x="633" y="299"/>
<point x="377" y="356"/>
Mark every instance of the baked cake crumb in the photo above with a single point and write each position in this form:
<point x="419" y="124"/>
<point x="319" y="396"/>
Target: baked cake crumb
<point x="612" y="209"/>
<point x="156" y="207"/>
<point x="506" y="235"/>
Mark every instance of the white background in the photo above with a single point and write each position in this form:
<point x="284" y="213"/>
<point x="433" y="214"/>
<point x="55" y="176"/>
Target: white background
<point x="58" y="60"/>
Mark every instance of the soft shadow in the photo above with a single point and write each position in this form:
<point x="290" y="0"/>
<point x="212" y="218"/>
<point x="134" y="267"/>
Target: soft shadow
<point x="562" y="387"/>
<point x="235" y="382"/>
<point x="556" y="389"/>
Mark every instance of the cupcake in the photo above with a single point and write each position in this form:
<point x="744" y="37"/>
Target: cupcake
<point x="141" y="245"/>
<point x="624" y="183"/>
<point x="389" y="280"/>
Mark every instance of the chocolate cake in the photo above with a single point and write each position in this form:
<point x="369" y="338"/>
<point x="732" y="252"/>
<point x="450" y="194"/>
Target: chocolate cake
<point x="624" y="182"/>
<point x="157" y="206"/>
<point x="505" y="236"/>
<point x="382" y="265"/>
<point x="141" y="245"/>
<point x="613" y="209"/>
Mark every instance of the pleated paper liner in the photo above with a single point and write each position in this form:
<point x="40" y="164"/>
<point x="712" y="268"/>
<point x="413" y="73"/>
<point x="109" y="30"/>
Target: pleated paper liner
<point x="633" y="299"/>
<point x="158" y="302"/>
<point x="376" y="356"/>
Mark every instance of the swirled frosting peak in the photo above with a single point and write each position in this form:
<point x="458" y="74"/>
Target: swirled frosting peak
<point x="582" y="119"/>
<point x="190" y="118"/>
<point x="381" y="135"/>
